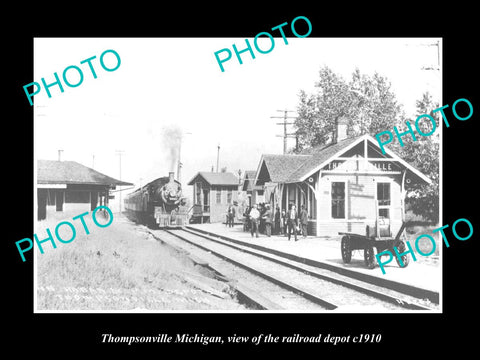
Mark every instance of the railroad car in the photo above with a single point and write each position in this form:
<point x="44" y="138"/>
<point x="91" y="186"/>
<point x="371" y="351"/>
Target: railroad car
<point x="158" y="203"/>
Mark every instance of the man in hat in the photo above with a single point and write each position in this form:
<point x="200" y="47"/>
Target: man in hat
<point x="254" y="215"/>
<point x="267" y="217"/>
<point x="277" y="229"/>
<point x="292" y="221"/>
<point x="304" y="220"/>
<point x="284" y="222"/>
<point x="231" y="215"/>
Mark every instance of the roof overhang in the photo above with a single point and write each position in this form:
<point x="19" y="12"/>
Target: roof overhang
<point x="367" y="137"/>
<point x="259" y="167"/>
<point x="51" y="186"/>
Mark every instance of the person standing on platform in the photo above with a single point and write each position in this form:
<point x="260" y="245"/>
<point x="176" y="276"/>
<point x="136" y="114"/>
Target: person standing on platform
<point x="292" y="221"/>
<point x="246" y="218"/>
<point x="267" y="217"/>
<point x="284" y="222"/>
<point x="231" y="215"/>
<point x="277" y="229"/>
<point x="304" y="221"/>
<point x="254" y="215"/>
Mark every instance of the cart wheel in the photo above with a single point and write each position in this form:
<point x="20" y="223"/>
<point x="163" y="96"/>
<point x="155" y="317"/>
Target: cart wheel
<point x="405" y="259"/>
<point x="346" y="250"/>
<point x="369" y="255"/>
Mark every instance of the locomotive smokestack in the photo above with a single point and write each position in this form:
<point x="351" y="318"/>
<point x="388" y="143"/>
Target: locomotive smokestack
<point x="171" y="177"/>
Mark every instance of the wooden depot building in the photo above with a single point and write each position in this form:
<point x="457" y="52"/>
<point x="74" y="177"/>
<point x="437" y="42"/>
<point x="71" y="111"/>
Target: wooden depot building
<point x="68" y="184"/>
<point x="344" y="185"/>
<point x="213" y="192"/>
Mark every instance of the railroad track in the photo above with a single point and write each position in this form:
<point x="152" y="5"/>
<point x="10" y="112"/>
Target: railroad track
<point x="276" y="283"/>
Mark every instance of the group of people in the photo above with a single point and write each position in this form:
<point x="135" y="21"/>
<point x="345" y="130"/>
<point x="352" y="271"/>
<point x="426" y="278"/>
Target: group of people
<point x="284" y="222"/>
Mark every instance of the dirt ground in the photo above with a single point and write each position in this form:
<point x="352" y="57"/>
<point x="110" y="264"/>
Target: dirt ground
<point x="121" y="268"/>
<point x="424" y="244"/>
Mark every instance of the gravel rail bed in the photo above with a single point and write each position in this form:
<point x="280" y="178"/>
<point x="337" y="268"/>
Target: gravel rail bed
<point x="284" y="299"/>
<point x="332" y="293"/>
<point x="391" y="295"/>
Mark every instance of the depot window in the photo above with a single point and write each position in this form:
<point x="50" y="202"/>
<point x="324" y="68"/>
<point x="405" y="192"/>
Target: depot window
<point x="198" y="193"/>
<point x="384" y="200"/>
<point x="338" y="200"/>
<point x="383" y="194"/>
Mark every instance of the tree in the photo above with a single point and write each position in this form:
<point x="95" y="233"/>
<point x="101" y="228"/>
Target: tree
<point x="423" y="154"/>
<point x="375" y="105"/>
<point x="319" y="112"/>
<point x="366" y="102"/>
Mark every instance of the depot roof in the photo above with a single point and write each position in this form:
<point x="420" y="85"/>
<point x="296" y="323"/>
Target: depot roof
<point x="248" y="181"/>
<point x="216" y="178"/>
<point x="297" y="168"/>
<point x="71" y="172"/>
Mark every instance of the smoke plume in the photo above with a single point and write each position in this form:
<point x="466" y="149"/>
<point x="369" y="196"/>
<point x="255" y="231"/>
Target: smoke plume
<point x="172" y="139"/>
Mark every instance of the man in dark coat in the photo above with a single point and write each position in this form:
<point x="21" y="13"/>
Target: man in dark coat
<point x="267" y="218"/>
<point x="231" y="215"/>
<point x="292" y="221"/>
<point x="277" y="229"/>
<point x="284" y="222"/>
<point x="304" y="221"/>
<point x="246" y="218"/>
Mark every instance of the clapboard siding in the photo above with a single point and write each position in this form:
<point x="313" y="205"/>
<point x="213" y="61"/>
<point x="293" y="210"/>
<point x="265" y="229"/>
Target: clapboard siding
<point x="360" y="203"/>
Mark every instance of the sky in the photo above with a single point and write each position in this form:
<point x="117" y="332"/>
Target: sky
<point x="165" y="83"/>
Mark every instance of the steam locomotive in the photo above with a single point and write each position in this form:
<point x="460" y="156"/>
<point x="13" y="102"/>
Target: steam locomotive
<point x="158" y="203"/>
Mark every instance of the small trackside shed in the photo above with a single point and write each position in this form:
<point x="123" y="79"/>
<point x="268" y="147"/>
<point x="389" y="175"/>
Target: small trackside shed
<point x="344" y="185"/>
<point x="69" y="185"/>
<point x="213" y="192"/>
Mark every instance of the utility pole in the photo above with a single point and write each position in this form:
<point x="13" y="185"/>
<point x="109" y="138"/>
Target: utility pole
<point x="285" y="123"/>
<point x="218" y="155"/>
<point x="120" y="153"/>
<point x="180" y="164"/>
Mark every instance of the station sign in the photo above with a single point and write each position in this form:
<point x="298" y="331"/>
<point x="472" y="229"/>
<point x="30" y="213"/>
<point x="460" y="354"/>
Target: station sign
<point x="383" y="165"/>
<point x="380" y="165"/>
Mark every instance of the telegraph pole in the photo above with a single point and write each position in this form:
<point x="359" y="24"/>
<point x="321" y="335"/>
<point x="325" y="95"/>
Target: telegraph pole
<point x="285" y="123"/>
<point x="120" y="153"/>
<point x="218" y="155"/>
<point x="180" y="164"/>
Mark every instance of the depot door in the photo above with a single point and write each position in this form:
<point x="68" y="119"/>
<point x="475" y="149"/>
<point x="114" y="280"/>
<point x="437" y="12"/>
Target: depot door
<point x="59" y="195"/>
<point x="42" y="204"/>
<point x="206" y="200"/>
